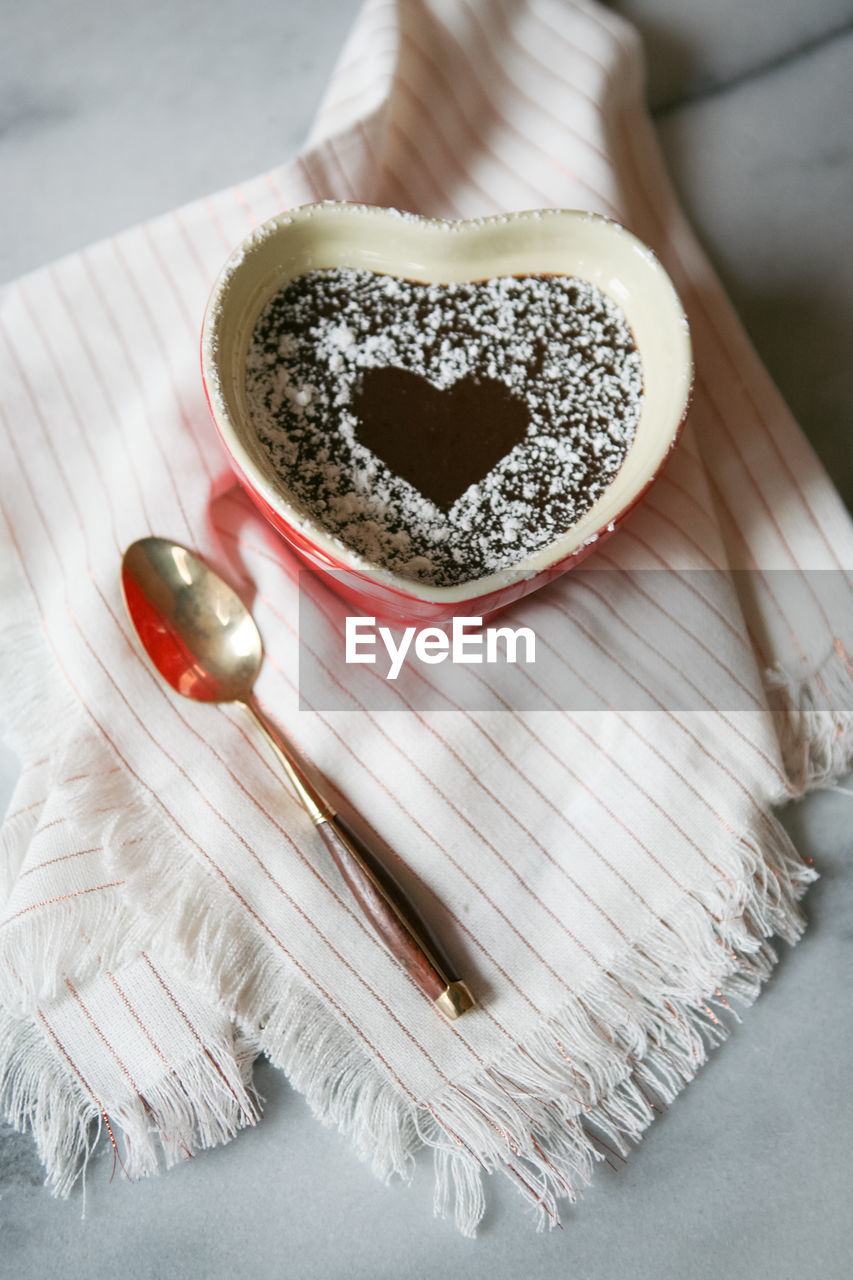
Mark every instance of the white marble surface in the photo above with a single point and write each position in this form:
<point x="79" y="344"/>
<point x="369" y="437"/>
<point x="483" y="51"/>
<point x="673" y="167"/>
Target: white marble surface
<point x="113" y="112"/>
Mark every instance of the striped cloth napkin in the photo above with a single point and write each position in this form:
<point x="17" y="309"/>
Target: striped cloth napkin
<point x="608" y="879"/>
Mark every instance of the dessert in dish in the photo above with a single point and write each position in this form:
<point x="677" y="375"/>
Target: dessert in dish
<point x="450" y="257"/>
<point x="443" y="431"/>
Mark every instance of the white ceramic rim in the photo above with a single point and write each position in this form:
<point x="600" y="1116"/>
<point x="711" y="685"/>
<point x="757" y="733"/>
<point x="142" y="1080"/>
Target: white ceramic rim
<point x="555" y="241"/>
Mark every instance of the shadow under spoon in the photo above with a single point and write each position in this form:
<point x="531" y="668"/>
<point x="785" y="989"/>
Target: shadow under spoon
<point x="204" y="643"/>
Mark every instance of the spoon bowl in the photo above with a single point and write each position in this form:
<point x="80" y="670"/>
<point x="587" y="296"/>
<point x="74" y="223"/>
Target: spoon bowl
<point x="195" y="628"/>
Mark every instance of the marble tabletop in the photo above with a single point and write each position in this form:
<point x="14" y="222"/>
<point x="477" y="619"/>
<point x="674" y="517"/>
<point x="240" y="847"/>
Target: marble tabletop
<point x="114" y="112"/>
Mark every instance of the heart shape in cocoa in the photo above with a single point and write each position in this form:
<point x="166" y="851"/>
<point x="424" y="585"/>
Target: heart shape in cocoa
<point x="430" y="437"/>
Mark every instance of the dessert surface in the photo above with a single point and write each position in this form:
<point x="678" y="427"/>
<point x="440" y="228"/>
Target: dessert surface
<point x="444" y="431"/>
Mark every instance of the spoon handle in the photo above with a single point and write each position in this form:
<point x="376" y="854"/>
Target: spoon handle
<point x="394" y="917"/>
<point x="383" y="902"/>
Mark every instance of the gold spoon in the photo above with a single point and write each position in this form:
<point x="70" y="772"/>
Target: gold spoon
<point x="204" y="642"/>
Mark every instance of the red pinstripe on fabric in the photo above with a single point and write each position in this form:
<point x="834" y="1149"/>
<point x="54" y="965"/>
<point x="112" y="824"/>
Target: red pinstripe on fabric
<point x="25" y="382"/>
<point x="138" y="1020"/>
<point x="75" y="1070"/>
<point x="629" y="534"/>
<point x="683" y="780"/>
<point x="471" y="75"/>
<point x="750" y="555"/>
<point x="478" y="781"/>
<point x="348" y="191"/>
<point x="563" y="817"/>
<point x="140" y="383"/>
<point x="185" y="1018"/>
<point x="192" y="250"/>
<point x="63" y="782"/>
<point x="450" y="155"/>
<point x="244" y="202"/>
<point x="276" y="191"/>
<point x="636" y="586"/>
<point x="444" y="88"/>
<point x="346" y="62"/>
<point x="449" y="148"/>
<point x="50" y="862"/>
<point x="163" y="346"/>
<point x="75" y="412"/>
<point x="423" y="171"/>
<point x="217" y="222"/>
<point x="355" y="104"/>
<point x="578" y="727"/>
<point x="502" y="68"/>
<point x="698" y="742"/>
<point x="652" y="505"/>
<point x="189" y="316"/>
<point x="62" y="897"/>
<point x="546" y="800"/>
<point x="513" y="817"/>
<point x="99" y="1031"/>
<point x="26" y="808"/>
<point x="29" y="766"/>
<point x="111" y="407"/>
<point x="629" y="724"/>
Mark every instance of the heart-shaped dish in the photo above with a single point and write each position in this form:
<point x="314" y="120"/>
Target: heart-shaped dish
<point x="538" y="243"/>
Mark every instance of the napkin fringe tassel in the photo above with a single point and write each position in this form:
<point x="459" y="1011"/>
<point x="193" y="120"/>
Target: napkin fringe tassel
<point x="201" y="1103"/>
<point x="814" y="719"/>
<point x="38" y="1093"/>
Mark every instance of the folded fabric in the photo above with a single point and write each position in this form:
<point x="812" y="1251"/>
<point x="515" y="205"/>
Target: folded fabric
<point x="607" y="879"/>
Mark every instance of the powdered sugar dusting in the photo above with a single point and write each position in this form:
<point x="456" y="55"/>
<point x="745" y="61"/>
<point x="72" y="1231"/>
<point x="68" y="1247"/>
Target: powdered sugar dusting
<point x="557" y="343"/>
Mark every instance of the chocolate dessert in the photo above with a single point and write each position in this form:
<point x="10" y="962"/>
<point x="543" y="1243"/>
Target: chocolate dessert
<point x="444" y="431"/>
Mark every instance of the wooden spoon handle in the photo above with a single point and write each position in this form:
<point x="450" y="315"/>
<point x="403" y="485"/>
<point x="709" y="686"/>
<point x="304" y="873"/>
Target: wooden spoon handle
<point x="382" y="900"/>
<point x="394" y="917"/>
